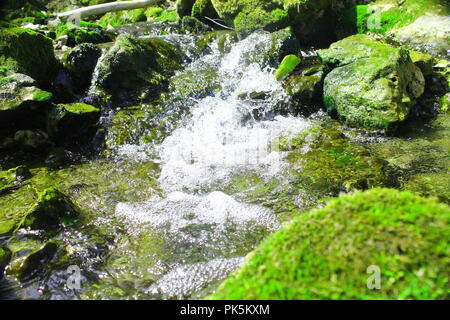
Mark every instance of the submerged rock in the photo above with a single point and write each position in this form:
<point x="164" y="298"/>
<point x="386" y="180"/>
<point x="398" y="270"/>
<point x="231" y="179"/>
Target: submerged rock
<point x="340" y="248"/>
<point x="51" y="210"/>
<point x="13" y="178"/>
<point x="134" y="71"/>
<point x="372" y="84"/>
<point x="5" y="256"/>
<point x="26" y="51"/>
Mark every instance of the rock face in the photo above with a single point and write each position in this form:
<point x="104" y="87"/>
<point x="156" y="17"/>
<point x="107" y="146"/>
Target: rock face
<point x="372" y="84"/>
<point x="28" y="52"/>
<point x="430" y="34"/>
<point x="134" y="71"/>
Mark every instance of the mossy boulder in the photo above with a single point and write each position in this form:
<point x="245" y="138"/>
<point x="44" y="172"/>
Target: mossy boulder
<point x="184" y="7"/>
<point x="21" y="102"/>
<point x="50" y="211"/>
<point x="119" y="18"/>
<point x="68" y="121"/>
<point x="13" y="178"/>
<point x="81" y="62"/>
<point x="372" y="84"/>
<point x="330" y="253"/>
<point x="134" y="71"/>
<point x="193" y="25"/>
<point x="28" y="52"/>
<point x="86" y="32"/>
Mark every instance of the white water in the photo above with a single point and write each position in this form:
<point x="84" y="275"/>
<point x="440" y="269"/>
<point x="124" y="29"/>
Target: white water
<point x="219" y="140"/>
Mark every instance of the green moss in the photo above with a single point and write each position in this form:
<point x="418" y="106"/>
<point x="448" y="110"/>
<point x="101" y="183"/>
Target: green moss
<point x="390" y="14"/>
<point x="153" y="12"/>
<point x="119" y="18"/>
<point x="41" y="95"/>
<point x="249" y="21"/>
<point x="325" y="254"/>
<point x="12" y="179"/>
<point x="52" y="209"/>
<point x="26" y="51"/>
<point x="286" y="66"/>
<point x="326" y="162"/>
<point x="5" y="256"/>
<point x="85" y="33"/>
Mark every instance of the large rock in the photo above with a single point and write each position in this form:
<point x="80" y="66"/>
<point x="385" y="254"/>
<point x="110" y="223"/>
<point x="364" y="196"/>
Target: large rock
<point x="81" y="62"/>
<point x="373" y="85"/>
<point x="28" y="52"/>
<point x="68" y="121"/>
<point x="134" y="71"/>
<point x="247" y="16"/>
<point x="429" y="34"/>
<point x="381" y="238"/>
<point x="21" y="102"/>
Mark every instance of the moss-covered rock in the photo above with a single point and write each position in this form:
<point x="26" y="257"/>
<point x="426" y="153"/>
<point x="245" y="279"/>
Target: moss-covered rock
<point x="373" y="85"/>
<point x="289" y="63"/>
<point x="68" y="121"/>
<point x="134" y="71"/>
<point x="13" y="178"/>
<point x="329" y="253"/>
<point x="119" y="18"/>
<point x="81" y="62"/>
<point x="29" y="258"/>
<point x="193" y="25"/>
<point x="184" y="7"/>
<point x="26" y="51"/>
<point x="326" y="162"/>
<point x="204" y="11"/>
<point x="50" y="211"/>
<point x="21" y="102"/>
<point x="383" y="16"/>
<point x="86" y="32"/>
<point x="305" y="89"/>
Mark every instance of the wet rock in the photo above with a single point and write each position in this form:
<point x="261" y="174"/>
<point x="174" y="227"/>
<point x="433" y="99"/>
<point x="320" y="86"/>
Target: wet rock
<point x="81" y="62"/>
<point x="32" y="140"/>
<point x="28" y="52"/>
<point x="5" y="256"/>
<point x="305" y="89"/>
<point x="134" y="71"/>
<point x="50" y="211"/>
<point x="67" y="121"/>
<point x="21" y="102"/>
<point x="373" y="85"/>
<point x="424" y="61"/>
<point x="29" y="258"/>
<point x="204" y="11"/>
<point x="13" y="178"/>
<point x="193" y="25"/>
<point x="430" y="34"/>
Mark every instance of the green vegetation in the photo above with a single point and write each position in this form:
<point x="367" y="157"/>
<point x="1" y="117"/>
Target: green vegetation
<point x="286" y="66"/>
<point x="325" y="254"/>
<point x="26" y="51"/>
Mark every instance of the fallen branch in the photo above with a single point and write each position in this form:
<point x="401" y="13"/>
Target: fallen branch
<point x="100" y="9"/>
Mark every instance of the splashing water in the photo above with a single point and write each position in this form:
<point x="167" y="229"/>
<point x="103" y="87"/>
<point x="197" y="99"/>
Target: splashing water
<point x="219" y="139"/>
